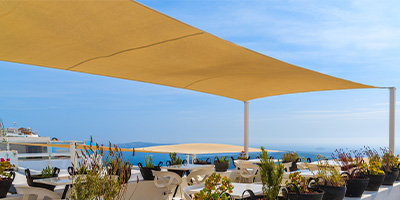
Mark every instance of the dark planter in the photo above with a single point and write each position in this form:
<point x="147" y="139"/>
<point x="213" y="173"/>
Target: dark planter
<point x="331" y="192"/>
<point x="197" y="162"/>
<point x="6" y="185"/>
<point x="221" y="165"/>
<point x="147" y="173"/>
<point x="375" y="181"/>
<point x="303" y="196"/>
<point x="179" y="172"/>
<point x="390" y="177"/>
<point x="124" y="179"/>
<point x="293" y="167"/>
<point x="30" y="178"/>
<point x="355" y="186"/>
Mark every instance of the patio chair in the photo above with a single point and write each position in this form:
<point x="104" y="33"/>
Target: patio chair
<point x="30" y="178"/>
<point x="197" y="177"/>
<point x="36" y="192"/>
<point x="168" y="181"/>
<point x="188" y="196"/>
<point x="247" y="171"/>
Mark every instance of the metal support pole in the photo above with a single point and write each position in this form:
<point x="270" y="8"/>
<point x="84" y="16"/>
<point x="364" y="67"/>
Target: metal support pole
<point x="187" y="159"/>
<point x="391" y="118"/>
<point x="246" y="128"/>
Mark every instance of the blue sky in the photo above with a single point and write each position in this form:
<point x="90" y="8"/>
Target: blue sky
<point x="354" y="40"/>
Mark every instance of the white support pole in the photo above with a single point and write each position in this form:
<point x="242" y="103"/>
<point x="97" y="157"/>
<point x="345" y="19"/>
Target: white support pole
<point x="187" y="159"/>
<point x="193" y="157"/>
<point x="246" y="128"/>
<point x="391" y="118"/>
<point x="72" y="154"/>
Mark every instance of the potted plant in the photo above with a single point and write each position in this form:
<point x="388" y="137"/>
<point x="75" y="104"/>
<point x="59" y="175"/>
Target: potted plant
<point x="146" y="171"/>
<point x="271" y="175"/>
<point x="118" y="167"/>
<point x="96" y="185"/>
<point x="333" y="183"/>
<point x="81" y="170"/>
<point x="291" y="157"/>
<point x="215" y="188"/>
<point x="373" y="169"/>
<point x="175" y="160"/>
<point x="297" y="188"/>
<point x="356" y="181"/>
<point x="201" y="161"/>
<point x="46" y="173"/>
<point x="221" y="163"/>
<point x="389" y="166"/>
<point x="6" y="176"/>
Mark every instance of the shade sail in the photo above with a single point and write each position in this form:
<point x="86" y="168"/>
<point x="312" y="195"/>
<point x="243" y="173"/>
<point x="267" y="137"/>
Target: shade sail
<point x="127" y="40"/>
<point x="200" y="148"/>
<point x="193" y="148"/>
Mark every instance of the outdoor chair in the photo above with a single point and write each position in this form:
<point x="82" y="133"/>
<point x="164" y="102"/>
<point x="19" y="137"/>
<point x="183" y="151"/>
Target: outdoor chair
<point x="197" y="177"/>
<point x="168" y="181"/>
<point x="247" y="171"/>
<point x="37" y="193"/>
<point x="188" y="196"/>
<point x="30" y="178"/>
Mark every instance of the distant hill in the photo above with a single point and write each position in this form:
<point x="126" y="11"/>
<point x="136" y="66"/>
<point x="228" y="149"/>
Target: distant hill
<point x="138" y="144"/>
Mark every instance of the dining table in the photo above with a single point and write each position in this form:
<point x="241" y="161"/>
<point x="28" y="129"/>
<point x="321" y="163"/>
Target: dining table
<point x="186" y="167"/>
<point x="57" y="181"/>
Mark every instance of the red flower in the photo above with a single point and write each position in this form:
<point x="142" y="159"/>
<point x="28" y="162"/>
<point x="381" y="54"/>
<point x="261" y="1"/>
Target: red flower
<point x="8" y="159"/>
<point x="2" y="160"/>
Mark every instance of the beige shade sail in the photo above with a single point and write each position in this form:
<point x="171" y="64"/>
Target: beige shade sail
<point x="193" y="148"/>
<point x="125" y="39"/>
<point x="200" y="148"/>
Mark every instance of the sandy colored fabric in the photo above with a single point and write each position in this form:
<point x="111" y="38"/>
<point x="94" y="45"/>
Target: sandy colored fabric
<point x="125" y="39"/>
<point x="200" y="148"/>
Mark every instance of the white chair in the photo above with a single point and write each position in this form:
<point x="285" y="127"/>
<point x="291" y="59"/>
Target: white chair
<point x="247" y="171"/>
<point x="197" y="177"/>
<point x="37" y="192"/>
<point x="166" y="180"/>
<point x="192" y="187"/>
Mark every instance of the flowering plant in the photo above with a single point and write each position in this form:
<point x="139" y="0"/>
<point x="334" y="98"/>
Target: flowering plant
<point x="328" y="172"/>
<point x="215" y="188"/>
<point x="350" y="161"/>
<point x="299" y="181"/>
<point x="289" y="157"/>
<point x="242" y="156"/>
<point x="5" y="165"/>
<point x="374" y="166"/>
<point x="389" y="161"/>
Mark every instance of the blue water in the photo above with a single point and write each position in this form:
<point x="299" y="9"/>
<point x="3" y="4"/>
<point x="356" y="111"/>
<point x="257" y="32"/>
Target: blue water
<point x="139" y="157"/>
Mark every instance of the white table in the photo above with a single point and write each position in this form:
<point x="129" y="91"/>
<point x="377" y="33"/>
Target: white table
<point x="56" y="181"/>
<point x="186" y="167"/>
<point x="330" y="162"/>
<point x="257" y="161"/>
<point x="238" y="189"/>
